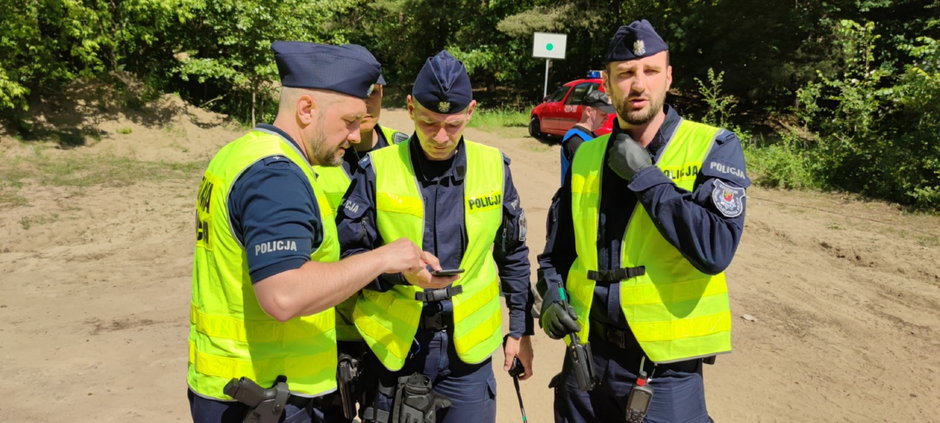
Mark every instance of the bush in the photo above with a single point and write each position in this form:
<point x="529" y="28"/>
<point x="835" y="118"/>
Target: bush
<point x="782" y="164"/>
<point x="877" y="125"/>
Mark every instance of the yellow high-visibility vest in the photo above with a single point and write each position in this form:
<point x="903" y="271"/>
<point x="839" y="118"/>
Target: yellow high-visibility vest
<point x="675" y="311"/>
<point x="388" y="320"/>
<point x="230" y="335"/>
<point x="335" y="181"/>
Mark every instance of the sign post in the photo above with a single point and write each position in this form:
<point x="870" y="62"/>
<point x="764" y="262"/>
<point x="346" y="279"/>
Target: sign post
<point x="549" y="46"/>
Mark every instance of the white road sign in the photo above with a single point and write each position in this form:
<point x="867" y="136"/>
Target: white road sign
<point x="549" y="45"/>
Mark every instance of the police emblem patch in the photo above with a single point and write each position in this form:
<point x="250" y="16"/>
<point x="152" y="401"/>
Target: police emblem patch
<point x="443" y="106"/>
<point x="728" y="200"/>
<point x="639" y="47"/>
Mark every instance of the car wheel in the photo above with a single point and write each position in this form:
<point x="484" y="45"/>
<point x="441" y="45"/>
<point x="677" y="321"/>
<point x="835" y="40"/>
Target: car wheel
<point x="535" y="128"/>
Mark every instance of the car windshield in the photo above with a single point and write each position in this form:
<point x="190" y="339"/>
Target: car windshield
<point x="579" y="92"/>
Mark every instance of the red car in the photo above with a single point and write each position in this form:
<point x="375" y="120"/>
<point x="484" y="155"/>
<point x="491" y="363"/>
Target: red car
<point x="562" y="109"/>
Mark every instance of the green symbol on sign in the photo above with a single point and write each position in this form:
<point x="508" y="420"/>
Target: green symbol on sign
<point x="549" y="46"/>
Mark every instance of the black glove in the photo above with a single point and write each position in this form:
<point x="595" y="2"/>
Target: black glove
<point x="558" y="318"/>
<point x="627" y="158"/>
<point x="415" y="400"/>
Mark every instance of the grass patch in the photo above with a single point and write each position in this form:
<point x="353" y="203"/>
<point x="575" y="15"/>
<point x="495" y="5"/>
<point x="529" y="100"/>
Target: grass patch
<point x="499" y="118"/>
<point x="29" y="221"/>
<point x="80" y="171"/>
<point x="928" y="241"/>
<point x="9" y="198"/>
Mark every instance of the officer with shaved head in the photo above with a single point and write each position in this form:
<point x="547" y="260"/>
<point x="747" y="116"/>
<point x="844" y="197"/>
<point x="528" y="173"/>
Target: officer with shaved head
<point x="266" y="271"/>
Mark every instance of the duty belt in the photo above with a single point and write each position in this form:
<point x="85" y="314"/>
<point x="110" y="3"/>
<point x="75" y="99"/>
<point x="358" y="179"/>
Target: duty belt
<point x="618" y="337"/>
<point x="436" y="321"/>
<point x="305" y="403"/>
<point x="439" y="320"/>
<point x="616" y="275"/>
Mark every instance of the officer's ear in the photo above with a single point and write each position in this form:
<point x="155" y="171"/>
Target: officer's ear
<point x="411" y="108"/>
<point x="668" y="77"/>
<point x="307" y="109"/>
<point x="605" y="80"/>
<point x="471" y="108"/>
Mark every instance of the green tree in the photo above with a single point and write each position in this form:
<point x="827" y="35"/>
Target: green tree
<point x="226" y="46"/>
<point x="45" y="44"/>
<point x="876" y="124"/>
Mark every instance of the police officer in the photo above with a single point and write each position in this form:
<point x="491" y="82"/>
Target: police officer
<point x="655" y="212"/>
<point x="456" y="199"/>
<point x="266" y="270"/>
<point x="372" y="136"/>
<point x="335" y="181"/>
<point x="596" y="108"/>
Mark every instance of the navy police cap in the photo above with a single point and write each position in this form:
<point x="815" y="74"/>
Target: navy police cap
<point x="442" y="85"/>
<point x="362" y="50"/>
<point x="634" y="41"/>
<point x="348" y="69"/>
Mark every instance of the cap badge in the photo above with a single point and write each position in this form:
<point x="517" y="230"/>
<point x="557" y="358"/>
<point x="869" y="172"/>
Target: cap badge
<point x="639" y="48"/>
<point x="443" y="106"/>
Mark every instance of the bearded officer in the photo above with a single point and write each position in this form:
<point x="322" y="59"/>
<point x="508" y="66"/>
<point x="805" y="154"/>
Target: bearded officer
<point x="655" y="212"/>
<point x="266" y="270"/>
<point x="372" y="136"/>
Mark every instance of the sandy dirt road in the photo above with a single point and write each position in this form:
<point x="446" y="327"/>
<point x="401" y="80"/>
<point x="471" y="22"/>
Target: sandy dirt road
<point x="836" y="301"/>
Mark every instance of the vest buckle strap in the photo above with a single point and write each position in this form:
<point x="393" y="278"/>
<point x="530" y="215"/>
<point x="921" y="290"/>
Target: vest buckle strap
<point x="439" y="294"/>
<point x="616" y="275"/>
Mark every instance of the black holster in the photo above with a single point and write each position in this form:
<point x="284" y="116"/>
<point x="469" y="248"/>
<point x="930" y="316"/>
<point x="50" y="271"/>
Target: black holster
<point x="266" y="405"/>
<point x="347" y="378"/>
<point x="578" y="359"/>
<point x="415" y="401"/>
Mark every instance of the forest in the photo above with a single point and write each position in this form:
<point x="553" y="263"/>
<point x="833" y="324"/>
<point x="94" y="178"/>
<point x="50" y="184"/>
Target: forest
<point x="839" y="95"/>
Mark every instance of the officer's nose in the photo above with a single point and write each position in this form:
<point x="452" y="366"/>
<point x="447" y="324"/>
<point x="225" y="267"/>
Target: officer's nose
<point x="354" y="136"/>
<point x="440" y="135"/>
<point x="638" y="84"/>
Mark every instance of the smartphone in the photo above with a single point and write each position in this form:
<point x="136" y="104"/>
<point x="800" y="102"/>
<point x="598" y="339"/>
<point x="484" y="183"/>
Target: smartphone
<point x="446" y="272"/>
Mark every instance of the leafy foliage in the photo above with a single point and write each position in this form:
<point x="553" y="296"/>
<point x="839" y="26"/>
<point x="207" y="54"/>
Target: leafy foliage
<point x="877" y="126"/>
<point x="860" y="77"/>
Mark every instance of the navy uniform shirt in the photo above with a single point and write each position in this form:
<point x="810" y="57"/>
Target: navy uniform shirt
<point x="273" y="201"/>
<point x="690" y="221"/>
<point x="445" y="234"/>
